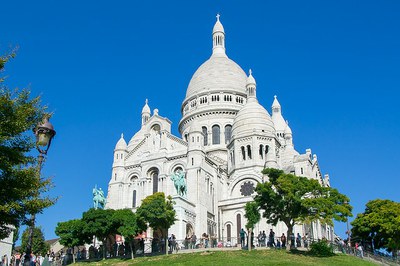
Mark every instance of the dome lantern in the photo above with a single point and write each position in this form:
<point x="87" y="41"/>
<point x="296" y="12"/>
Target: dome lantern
<point x="251" y="86"/>
<point x="218" y="38"/>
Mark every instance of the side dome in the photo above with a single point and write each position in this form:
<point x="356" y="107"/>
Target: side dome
<point x="216" y="74"/>
<point x="121" y="144"/>
<point x="252" y="118"/>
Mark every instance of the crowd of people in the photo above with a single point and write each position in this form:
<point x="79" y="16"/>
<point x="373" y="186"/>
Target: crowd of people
<point x="18" y="259"/>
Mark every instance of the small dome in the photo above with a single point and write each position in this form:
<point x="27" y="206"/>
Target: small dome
<point x="276" y="104"/>
<point x="146" y="108"/>
<point x="250" y="79"/>
<point x="121" y="144"/>
<point x="218" y="26"/>
<point x="277" y="117"/>
<point x="252" y="117"/>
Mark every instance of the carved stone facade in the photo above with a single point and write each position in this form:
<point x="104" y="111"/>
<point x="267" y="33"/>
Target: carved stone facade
<point x="227" y="139"/>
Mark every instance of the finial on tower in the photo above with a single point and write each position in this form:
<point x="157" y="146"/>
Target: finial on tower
<point x="250" y="72"/>
<point x="218" y="38"/>
<point x="147" y="101"/>
<point x="276" y="106"/>
<point x="122" y="135"/>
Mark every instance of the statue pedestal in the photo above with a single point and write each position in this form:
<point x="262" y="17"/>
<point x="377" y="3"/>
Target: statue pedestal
<point x="186" y="217"/>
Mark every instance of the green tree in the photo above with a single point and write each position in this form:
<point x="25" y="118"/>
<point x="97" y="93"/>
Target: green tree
<point x="290" y="199"/>
<point x="158" y="212"/>
<point x="129" y="226"/>
<point x="253" y="217"/>
<point x="39" y="245"/>
<point x="21" y="188"/>
<point x="380" y="224"/>
<point x="71" y="234"/>
<point x="99" y="223"/>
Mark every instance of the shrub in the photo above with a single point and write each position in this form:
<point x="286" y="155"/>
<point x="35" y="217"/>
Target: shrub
<point x="321" y="249"/>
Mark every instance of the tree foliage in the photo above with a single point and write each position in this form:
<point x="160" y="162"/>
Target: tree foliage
<point x="129" y="225"/>
<point x="21" y="188"/>
<point x="158" y="212"/>
<point x="99" y="223"/>
<point x="380" y="224"/>
<point x="71" y="233"/>
<point x="292" y="199"/>
<point x="39" y="245"/>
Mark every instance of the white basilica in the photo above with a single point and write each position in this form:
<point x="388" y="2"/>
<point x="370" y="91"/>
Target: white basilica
<point x="227" y="139"/>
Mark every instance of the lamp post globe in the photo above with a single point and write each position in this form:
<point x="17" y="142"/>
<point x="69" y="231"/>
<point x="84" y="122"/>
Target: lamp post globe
<point x="44" y="135"/>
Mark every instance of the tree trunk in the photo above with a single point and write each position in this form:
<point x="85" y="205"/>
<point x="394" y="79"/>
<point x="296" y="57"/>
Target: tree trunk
<point x="249" y="239"/>
<point x="289" y="235"/>
<point x="166" y="241"/>
<point x="130" y="244"/>
<point x="73" y="255"/>
<point x="104" y="248"/>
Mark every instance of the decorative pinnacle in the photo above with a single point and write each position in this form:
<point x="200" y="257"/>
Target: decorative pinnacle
<point x="250" y="72"/>
<point x="122" y="135"/>
<point x="274" y="96"/>
<point x="147" y="101"/>
<point x="218" y="15"/>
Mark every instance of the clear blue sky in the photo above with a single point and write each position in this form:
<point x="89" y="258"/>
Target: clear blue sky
<point x="333" y="64"/>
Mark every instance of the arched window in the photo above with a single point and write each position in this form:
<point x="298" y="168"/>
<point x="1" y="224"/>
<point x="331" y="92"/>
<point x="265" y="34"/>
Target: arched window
<point x="228" y="133"/>
<point x="249" y="151"/>
<point x="261" y="151"/>
<point x="266" y="150"/>
<point x="215" y="134"/>
<point x="134" y="199"/>
<point x="153" y="173"/>
<point x="243" y="153"/>
<point x="228" y="232"/>
<point x="204" y="129"/>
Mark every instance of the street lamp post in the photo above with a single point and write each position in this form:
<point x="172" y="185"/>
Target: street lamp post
<point x="44" y="134"/>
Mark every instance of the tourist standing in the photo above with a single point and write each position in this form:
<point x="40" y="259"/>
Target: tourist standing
<point x="283" y="240"/>
<point x="298" y="240"/>
<point x="271" y="240"/>
<point x="242" y="237"/>
<point x="264" y="238"/>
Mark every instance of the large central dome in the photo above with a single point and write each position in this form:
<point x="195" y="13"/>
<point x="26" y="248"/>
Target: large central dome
<point x="217" y="90"/>
<point x="216" y="74"/>
<point x="219" y="73"/>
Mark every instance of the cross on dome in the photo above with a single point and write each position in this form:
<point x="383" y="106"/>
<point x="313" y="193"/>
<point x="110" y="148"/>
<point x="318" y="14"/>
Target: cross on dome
<point x="218" y="15"/>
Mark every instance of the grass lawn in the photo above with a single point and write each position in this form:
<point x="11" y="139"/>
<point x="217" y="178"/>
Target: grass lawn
<point x="256" y="257"/>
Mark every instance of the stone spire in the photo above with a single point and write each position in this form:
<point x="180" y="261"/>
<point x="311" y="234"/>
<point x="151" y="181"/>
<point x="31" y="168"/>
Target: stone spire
<point x="276" y="107"/>
<point x="251" y="86"/>
<point x="277" y="117"/>
<point x="145" y="113"/>
<point x="218" y="39"/>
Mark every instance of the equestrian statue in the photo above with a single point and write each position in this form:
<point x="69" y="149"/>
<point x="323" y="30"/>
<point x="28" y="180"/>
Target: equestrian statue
<point x="179" y="182"/>
<point x="99" y="201"/>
